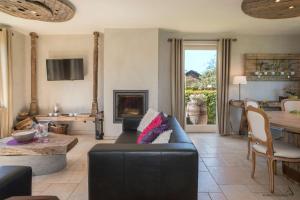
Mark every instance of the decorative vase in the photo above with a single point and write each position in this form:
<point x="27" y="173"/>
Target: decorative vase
<point x="196" y="109"/>
<point x="273" y="73"/>
<point x="292" y="73"/>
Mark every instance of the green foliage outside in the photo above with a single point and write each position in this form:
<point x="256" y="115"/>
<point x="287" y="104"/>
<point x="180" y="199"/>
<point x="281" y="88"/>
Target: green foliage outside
<point x="206" y="84"/>
<point x="206" y="80"/>
<point x="211" y="99"/>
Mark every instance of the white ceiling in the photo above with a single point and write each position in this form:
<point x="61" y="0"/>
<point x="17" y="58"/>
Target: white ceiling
<point x="205" y="16"/>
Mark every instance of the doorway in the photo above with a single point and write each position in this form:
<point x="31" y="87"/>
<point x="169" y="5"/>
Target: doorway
<point x="200" y="64"/>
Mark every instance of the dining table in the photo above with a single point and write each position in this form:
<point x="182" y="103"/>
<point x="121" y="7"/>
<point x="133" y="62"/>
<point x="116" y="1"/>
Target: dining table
<point x="290" y="122"/>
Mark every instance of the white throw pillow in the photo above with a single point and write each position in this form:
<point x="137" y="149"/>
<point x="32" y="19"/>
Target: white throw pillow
<point x="163" y="138"/>
<point x="147" y="119"/>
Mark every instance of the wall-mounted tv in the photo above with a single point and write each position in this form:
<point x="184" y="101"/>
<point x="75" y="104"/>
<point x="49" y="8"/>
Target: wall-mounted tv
<point x="65" y="69"/>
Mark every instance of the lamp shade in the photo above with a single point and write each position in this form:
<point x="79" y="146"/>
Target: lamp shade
<point x="239" y="80"/>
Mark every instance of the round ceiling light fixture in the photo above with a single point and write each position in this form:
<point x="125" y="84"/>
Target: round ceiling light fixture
<point x="42" y="10"/>
<point x="271" y="9"/>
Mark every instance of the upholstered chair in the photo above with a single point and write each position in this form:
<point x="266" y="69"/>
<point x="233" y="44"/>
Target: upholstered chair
<point x="262" y="144"/>
<point x="290" y="105"/>
<point x="255" y="104"/>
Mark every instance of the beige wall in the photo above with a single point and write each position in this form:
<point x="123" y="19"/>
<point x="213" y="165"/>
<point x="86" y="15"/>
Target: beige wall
<point x="130" y="63"/>
<point x="259" y="90"/>
<point x="134" y="59"/>
<point x="18" y="71"/>
<point x="71" y="96"/>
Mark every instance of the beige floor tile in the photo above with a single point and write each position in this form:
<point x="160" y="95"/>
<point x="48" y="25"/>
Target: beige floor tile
<point x="214" y="162"/>
<point x="203" y="196"/>
<point x="202" y="167"/>
<point x="237" y="192"/>
<point x="231" y="175"/>
<point x="206" y="183"/>
<point x="62" y="191"/>
<point x="40" y="186"/>
<point x="80" y="192"/>
<point x="217" y="196"/>
<point x="224" y="172"/>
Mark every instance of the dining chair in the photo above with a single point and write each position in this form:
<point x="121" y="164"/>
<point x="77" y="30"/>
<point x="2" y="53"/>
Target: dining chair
<point x="255" y="104"/>
<point x="289" y="105"/>
<point x="262" y="144"/>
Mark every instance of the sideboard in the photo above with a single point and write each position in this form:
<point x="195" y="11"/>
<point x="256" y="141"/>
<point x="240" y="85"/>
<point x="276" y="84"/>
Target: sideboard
<point x="97" y="119"/>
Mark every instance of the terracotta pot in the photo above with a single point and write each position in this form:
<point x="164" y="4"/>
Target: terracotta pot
<point x="196" y="110"/>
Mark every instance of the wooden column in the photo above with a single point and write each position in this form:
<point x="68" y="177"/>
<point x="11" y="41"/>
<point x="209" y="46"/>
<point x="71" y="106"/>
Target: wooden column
<point x="95" y="75"/>
<point x="33" y="105"/>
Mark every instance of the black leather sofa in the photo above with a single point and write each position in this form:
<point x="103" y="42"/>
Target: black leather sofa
<point x="15" y="181"/>
<point x="129" y="171"/>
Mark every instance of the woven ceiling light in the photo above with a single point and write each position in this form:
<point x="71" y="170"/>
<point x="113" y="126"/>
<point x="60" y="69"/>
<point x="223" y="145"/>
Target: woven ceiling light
<point x="271" y="9"/>
<point x="42" y="10"/>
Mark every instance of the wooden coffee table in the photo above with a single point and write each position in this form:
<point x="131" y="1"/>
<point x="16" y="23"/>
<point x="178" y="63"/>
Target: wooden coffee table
<point x="44" y="157"/>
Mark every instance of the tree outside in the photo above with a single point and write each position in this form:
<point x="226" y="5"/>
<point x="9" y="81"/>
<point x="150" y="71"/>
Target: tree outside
<point x="204" y="85"/>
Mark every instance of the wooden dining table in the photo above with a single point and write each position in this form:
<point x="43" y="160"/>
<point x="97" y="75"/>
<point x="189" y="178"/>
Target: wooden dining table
<point x="291" y="124"/>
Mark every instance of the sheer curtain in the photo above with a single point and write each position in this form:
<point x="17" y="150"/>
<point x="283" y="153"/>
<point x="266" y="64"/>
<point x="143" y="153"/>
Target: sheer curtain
<point x="177" y="80"/>
<point x="6" y="118"/>
<point x="223" y="74"/>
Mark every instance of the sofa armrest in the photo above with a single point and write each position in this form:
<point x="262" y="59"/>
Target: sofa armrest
<point x="15" y="181"/>
<point x="131" y="124"/>
<point x="144" y="171"/>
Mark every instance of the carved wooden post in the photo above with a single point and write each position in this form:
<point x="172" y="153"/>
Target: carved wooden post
<point x="33" y="105"/>
<point x="95" y="75"/>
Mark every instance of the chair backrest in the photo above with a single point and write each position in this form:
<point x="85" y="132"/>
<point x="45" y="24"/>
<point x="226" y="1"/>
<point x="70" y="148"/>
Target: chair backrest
<point x="259" y="126"/>
<point x="290" y="105"/>
<point x="252" y="103"/>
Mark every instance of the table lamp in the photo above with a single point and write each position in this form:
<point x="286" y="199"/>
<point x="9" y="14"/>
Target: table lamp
<point x="239" y="80"/>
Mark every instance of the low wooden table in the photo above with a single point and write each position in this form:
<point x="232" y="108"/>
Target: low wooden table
<point x="291" y="123"/>
<point x="44" y="157"/>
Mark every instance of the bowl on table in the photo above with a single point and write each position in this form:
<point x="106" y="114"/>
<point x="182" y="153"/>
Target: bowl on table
<point x="24" y="136"/>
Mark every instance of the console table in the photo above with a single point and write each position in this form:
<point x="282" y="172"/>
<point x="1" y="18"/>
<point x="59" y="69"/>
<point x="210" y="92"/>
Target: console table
<point x="65" y="118"/>
<point x="266" y="105"/>
<point x="98" y="120"/>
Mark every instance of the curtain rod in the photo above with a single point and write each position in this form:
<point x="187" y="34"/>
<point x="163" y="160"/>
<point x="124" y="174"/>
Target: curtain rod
<point x="202" y="40"/>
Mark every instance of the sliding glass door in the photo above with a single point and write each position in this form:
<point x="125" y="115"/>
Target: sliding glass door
<point x="200" y="62"/>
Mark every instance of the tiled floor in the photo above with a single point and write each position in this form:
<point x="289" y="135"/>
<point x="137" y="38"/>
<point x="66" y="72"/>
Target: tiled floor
<point x="224" y="173"/>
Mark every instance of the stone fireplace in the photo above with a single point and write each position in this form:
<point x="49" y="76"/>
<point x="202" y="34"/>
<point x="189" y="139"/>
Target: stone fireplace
<point x="129" y="104"/>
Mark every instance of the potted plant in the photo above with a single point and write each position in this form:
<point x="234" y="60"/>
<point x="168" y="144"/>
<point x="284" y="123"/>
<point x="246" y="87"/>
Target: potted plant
<point x="291" y="92"/>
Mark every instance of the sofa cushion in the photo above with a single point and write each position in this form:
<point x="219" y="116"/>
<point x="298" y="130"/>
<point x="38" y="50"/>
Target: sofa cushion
<point x="163" y="138"/>
<point x="147" y="119"/>
<point x="156" y="122"/>
<point x="155" y="132"/>
<point x="178" y="134"/>
<point x="128" y="137"/>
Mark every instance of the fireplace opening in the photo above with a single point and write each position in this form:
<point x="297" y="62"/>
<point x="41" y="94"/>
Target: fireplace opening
<point x="129" y="104"/>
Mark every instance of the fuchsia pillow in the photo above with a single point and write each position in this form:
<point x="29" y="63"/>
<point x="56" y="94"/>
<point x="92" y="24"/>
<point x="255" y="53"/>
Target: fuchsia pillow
<point x="156" y="122"/>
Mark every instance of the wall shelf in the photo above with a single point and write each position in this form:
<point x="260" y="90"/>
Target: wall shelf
<point x="257" y="64"/>
<point x="272" y="78"/>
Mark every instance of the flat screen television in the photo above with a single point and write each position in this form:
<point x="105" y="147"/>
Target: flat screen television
<point x="64" y="69"/>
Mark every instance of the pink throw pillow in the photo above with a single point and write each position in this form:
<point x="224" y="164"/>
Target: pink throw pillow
<point x="154" y="123"/>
